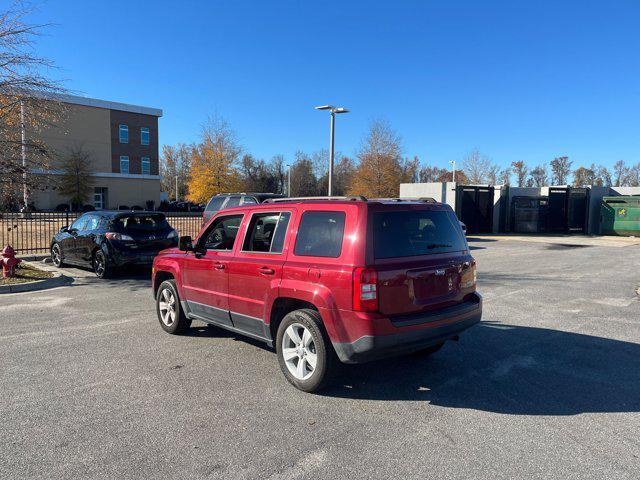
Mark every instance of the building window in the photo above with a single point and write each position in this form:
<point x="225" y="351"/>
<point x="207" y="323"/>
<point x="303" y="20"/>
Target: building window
<point x="124" y="164"/>
<point x="124" y="133"/>
<point x="144" y="136"/>
<point x="146" y="165"/>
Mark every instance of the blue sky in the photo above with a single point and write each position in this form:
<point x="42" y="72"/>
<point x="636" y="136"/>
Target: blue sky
<point x="517" y="80"/>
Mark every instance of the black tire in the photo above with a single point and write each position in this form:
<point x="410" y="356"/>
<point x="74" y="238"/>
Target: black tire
<point x="101" y="266"/>
<point x="180" y="323"/>
<point x="56" y="256"/>
<point x="425" y="352"/>
<point x="326" y="360"/>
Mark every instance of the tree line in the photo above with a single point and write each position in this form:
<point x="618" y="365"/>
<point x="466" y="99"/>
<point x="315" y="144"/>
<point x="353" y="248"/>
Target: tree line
<point x="217" y="163"/>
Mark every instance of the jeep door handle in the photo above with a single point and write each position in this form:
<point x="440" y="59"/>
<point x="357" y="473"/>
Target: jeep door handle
<point x="266" y="271"/>
<point x="219" y="266"/>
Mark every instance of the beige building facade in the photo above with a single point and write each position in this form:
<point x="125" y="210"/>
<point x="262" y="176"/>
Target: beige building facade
<point x="121" y="141"/>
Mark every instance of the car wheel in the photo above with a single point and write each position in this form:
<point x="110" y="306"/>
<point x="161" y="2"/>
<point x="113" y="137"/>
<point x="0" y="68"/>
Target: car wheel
<point x="305" y="353"/>
<point x="101" y="266"/>
<point x="56" y="255"/>
<point x="170" y="315"/>
<point x="425" y="352"/>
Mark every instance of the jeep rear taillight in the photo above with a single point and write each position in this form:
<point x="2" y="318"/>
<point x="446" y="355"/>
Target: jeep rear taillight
<point x="365" y="290"/>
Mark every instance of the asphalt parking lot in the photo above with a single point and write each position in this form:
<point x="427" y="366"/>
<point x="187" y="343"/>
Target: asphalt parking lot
<point x="548" y="386"/>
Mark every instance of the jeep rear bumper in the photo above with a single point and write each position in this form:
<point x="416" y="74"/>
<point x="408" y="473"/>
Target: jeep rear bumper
<point x="416" y="333"/>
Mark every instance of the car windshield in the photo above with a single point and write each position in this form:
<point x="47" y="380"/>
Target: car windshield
<point x="141" y="223"/>
<point x="416" y="232"/>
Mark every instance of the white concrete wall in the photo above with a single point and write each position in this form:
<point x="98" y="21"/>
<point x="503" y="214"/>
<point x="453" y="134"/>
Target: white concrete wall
<point x="440" y="191"/>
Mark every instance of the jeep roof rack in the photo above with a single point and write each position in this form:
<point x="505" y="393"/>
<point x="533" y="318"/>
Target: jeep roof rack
<point x="397" y="199"/>
<point x="353" y="198"/>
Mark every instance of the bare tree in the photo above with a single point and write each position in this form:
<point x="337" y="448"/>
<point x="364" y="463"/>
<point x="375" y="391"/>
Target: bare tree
<point x="505" y="176"/>
<point x="175" y="162"/>
<point x="538" y="176"/>
<point x="602" y="176"/>
<point x="521" y="171"/>
<point x="493" y="175"/>
<point x="560" y="169"/>
<point x="476" y="167"/>
<point x="620" y="173"/>
<point x="28" y="102"/>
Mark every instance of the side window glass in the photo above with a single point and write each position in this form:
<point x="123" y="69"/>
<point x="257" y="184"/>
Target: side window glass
<point x="320" y="234"/>
<point x="266" y="232"/>
<point x="92" y="223"/>
<point x="80" y="223"/>
<point x="222" y="233"/>
<point x="233" y="202"/>
<point x="215" y="204"/>
<point x="249" y="201"/>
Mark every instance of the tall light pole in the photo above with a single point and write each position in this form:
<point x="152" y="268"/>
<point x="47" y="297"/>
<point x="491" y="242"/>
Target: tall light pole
<point x="288" y="180"/>
<point x="25" y="190"/>
<point x="453" y="170"/>
<point x="334" y="111"/>
<point x="176" y="188"/>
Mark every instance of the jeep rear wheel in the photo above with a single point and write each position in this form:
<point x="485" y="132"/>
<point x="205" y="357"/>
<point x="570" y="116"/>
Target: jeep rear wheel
<point x="305" y="354"/>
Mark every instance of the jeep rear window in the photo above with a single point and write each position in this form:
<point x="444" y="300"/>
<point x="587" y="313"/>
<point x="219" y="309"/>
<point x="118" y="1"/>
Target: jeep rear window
<point x="416" y="232"/>
<point x="140" y="223"/>
<point x="320" y="234"/>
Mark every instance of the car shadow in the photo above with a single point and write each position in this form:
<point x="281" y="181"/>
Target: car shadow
<point x="508" y="369"/>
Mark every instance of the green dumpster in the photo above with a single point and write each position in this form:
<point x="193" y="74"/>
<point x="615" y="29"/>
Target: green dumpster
<point x="620" y="216"/>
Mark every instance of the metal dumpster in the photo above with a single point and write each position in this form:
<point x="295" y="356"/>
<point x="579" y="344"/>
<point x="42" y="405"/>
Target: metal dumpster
<point x="529" y="214"/>
<point x="620" y="216"/>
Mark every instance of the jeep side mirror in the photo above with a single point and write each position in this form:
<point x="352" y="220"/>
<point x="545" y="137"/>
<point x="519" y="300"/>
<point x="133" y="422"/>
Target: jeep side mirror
<point x="185" y="244"/>
<point x="64" y="229"/>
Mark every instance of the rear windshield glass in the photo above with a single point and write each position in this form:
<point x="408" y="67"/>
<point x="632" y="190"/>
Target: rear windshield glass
<point x="416" y="232"/>
<point x="214" y="204"/>
<point x="141" y="223"/>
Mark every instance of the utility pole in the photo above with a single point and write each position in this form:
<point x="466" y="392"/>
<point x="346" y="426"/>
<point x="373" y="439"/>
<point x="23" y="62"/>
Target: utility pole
<point x="289" y="180"/>
<point x="176" y="188"/>
<point x="453" y="175"/>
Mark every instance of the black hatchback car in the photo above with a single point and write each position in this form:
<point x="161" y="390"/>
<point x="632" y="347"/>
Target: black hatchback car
<point x="107" y="240"/>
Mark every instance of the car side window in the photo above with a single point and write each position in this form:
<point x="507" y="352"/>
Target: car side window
<point x="80" y="223"/>
<point x="233" y="202"/>
<point x="215" y="204"/>
<point x="222" y="232"/>
<point x="249" y="201"/>
<point x="266" y="232"/>
<point x="92" y="222"/>
<point x="320" y="234"/>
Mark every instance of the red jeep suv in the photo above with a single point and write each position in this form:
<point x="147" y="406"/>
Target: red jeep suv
<point x="346" y="279"/>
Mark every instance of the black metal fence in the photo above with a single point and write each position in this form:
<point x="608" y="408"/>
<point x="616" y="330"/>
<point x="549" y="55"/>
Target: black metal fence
<point x="32" y="234"/>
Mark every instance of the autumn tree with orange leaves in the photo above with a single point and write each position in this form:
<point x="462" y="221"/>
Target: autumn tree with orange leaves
<point x="214" y="163"/>
<point x="381" y="167"/>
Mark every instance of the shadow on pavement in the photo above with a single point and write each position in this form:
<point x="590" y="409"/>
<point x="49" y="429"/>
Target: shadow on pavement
<point x="508" y="369"/>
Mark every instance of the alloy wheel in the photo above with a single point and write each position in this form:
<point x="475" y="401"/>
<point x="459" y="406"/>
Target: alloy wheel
<point x="56" y="257"/>
<point x="99" y="264"/>
<point x="167" y="306"/>
<point x="299" y="351"/>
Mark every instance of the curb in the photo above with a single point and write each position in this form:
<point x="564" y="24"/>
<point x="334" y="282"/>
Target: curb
<point x="57" y="280"/>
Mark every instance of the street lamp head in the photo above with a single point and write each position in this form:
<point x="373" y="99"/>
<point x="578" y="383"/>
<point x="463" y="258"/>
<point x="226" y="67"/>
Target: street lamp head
<point x="324" y="107"/>
<point x="340" y="110"/>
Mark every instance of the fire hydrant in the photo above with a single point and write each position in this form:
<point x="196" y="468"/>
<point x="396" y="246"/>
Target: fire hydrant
<point x="9" y="261"/>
